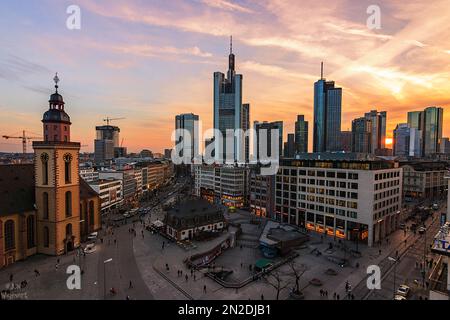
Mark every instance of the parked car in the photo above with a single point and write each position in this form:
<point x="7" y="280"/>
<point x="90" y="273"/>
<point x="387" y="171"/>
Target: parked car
<point x="93" y="236"/>
<point x="403" y="290"/>
<point x="435" y="206"/>
<point x="422" y="230"/>
<point x="399" y="297"/>
<point x="402" y="226"/>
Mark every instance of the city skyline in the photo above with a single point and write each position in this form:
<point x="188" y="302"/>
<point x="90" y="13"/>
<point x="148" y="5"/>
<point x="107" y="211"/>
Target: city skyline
<point x="135" y="72"/>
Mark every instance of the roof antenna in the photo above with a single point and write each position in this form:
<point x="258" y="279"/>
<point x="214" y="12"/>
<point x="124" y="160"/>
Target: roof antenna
<point x="321" y="70"/>
<point x="231" y="44"/>
<point x="56" y="80"/>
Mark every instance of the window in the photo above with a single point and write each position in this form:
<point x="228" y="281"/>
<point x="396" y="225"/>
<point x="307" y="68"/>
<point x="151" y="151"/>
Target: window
<point x="91" y="213"/>
<point x="44" y="160"/>
<point x="68" y="204"/>
<point x="69" y="229"/>
<point x="45" y="205"/>
<point x="67" y="167"/>
<point x="46" y="237"/>
<point x="10" y="240"/>
<point x="30" y="232"/>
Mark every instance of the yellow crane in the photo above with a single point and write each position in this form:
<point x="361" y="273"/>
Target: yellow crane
<point x="24" y="139"/>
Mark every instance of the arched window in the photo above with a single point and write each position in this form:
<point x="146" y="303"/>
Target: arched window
<point x="67" y="167"/>
<point x="68" y="204"/>
<point x="30" y="232"/>
<point x="45" y="205"/>
<point x="91" y="213"/>
<point x="10" y="239"/>
<point x="69" y="229"/>
<point x="44" y="160"/>
<point x="46" y="237"/>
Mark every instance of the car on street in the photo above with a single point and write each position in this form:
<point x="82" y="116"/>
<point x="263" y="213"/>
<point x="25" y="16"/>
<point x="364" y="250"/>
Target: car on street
<point x="402" y="226"/>
<point x="435" y="206"/>
<point x="421" y="230"/>
<point x="399" y="297"/>
<point x="90" y="248"/>
<point x="403" y="290"/>
<point x="93" y="236"/>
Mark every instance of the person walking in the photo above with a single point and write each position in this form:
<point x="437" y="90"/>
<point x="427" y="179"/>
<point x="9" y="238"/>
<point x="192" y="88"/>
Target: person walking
<point x="204" y="288"/>
<point x="131" y="285"/>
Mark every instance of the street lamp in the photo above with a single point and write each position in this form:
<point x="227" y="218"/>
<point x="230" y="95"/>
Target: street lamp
<point x="104" y="276"/>
<point x="395" y="270"/>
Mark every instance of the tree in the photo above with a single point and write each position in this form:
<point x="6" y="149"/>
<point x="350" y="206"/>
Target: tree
<point x="297" y="271"/>
<point x="275" y="280"/>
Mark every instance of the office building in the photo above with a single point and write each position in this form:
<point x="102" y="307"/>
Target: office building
<point x="107" y="138"/>
<point x="188" y="122"/>
<point x="289" y="146"/>
<point x="430" y="123"/>
<point x="262" y="192"/>
<point x="344" y="198"/>
<point x="346" y="141"/>
<point x="361" y="135"/>
<point x="327" y="115"/>
<point x="229" y="112"/>
<point x="301" y="134"/>
<point x="377" y="131"/>
<point x="266" y="139"/>
<point x="407" y="141"/>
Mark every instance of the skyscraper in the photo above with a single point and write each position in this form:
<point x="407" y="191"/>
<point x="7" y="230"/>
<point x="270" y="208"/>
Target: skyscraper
<point x="361" y="135"/>
<point x="407" y="141"/>
<point x="107" y="139"/>
<point x="301" y="134"/>
<point x="228" y="110"/>
<point x="429" y="122"/>
<point x="276" y="125"/>
<point x="378" y="130"/>
<point x="289" y="146"/>
<point x="432" y="133"/>
<point x="246" y="126"/>
<point x="346" y="141"/>
<point x="189" y="122"/>
<point x="327" y="115"/>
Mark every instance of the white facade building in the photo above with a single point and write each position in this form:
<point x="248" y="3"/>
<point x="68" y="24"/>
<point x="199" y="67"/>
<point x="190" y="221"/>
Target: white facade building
<point x="110" y="192"/>
<point x="88" y="174"/>
<point x="347" y="199"/>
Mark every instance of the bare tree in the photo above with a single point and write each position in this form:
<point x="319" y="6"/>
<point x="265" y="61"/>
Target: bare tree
<point x="275" y="280"/>
<point x="297" y="271"/>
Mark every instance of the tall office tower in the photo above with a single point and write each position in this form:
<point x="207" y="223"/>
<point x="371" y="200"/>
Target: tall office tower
<point x="361" y="135"/>
<point x="301" y="134"/>
<point x="327" y="115"/>
<point x="346" y="141"/>
<point x="407" y="141"/>
<point x="289" y="146"/>
<point x="276" y="125"/>
<point x="445" y="146"/>
<point x="432" y="130"/>
<point x="378" y="131"/>
<point x="107" y="139"/>
<point x="246" y="126"/>
<point x="415" y="120"/>
<point x="228" y="110"/>
<point x="189" y="122"/>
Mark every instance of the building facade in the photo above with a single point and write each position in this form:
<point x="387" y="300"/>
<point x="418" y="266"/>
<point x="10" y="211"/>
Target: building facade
<point x="407" y="141"/>
<point x="377" y="131"/>
<point x="266" y="139"/>
<point x="262" y="192"/>
<point x="301" y="134"/>
<point x="348" y="199"/>
<point x="110" y="193"/>
<point x="361" y="135"/>
<point x="188" y="122"/>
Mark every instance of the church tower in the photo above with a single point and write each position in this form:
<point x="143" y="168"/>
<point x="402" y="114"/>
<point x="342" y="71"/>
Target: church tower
<point x="57" y="181"/>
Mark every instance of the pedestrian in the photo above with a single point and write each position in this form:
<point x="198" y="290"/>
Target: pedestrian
<point x="115" y="241"/>
<point x="11" y="277"/>
<point x="337" y="297"/>
<point x="321" y="292"/>
<point x="131" y="285"/>
<point x="204" y="288"/>
<point x="194" y="276"/>
<point x="326" y="293"/>
<point x="353" y="296"/>
<point x="379" y="252"/>
<point x="262" y="297"/>
<point x="186" y="278"/>
<point x="36" y="273"/>
<point x="334" y="296"/>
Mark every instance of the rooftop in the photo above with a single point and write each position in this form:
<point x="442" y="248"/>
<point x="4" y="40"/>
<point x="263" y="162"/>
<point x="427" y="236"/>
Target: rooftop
<point x="16" y="188"/>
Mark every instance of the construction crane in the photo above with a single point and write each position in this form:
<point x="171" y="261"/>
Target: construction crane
<point x="108" y="120"/>
<point x="24" y="139"/>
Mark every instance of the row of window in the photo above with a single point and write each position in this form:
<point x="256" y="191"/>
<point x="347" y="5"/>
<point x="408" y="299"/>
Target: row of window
<point x="310" y="215"/>
<point x="387" y="175"/>
<point x="67" y="168"/>
<point x="314" y="182"/>
<point x="387" y="184"/>
<point x="385" y="194"/>
<point x="314" y="173"/>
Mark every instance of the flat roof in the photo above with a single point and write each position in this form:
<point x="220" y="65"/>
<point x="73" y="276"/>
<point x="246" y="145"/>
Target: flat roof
<point x="441" y="243"/>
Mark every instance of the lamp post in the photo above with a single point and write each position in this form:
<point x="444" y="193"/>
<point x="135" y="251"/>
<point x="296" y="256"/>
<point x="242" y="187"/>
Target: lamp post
<point x="395" y="274"/>
<point x="104" y="276"/>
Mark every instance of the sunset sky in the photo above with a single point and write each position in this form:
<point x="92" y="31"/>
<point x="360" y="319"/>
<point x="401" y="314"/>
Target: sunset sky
<point x="150" y="60"/>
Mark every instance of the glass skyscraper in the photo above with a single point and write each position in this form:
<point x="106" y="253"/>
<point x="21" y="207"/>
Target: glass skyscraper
<point x="378" y="131"/>
<point x="276" y="125"/>
<point x="301" y="134"/>
<point x="228" y="109"/>
<point x="189" y="122"/>
<point x="327" y="116"/>
<point x="432" y="135"/>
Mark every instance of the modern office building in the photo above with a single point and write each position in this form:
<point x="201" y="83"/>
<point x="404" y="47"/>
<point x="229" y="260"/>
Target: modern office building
<point x="228" y="111"/>
<point x="88" y="174"/>
<point x="262" y="192"/>
<point x="341" y="197"/>
<point x="424" y="179"/>
<point x="445" y="146"/>
<point x="430" y="123"/>
<point x="110" y="191"/>
<point x="246" y="127"/>
<point x="433" y="122"/>
<point x="377" y="131"/>
<point x="361" y="135"/>
<point x="346" y="141"/>
<point x="107" y="138"/>
<point x="327" y="115"/>
<point x="301" y="134"/>
<point x="267" y="138"/>
<point x="225" y="184"/>
<point x="129" y="183"/>
<point x="407" y="141"/>
<point x="188" y="122"/>
<point x="289" y="146"/>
